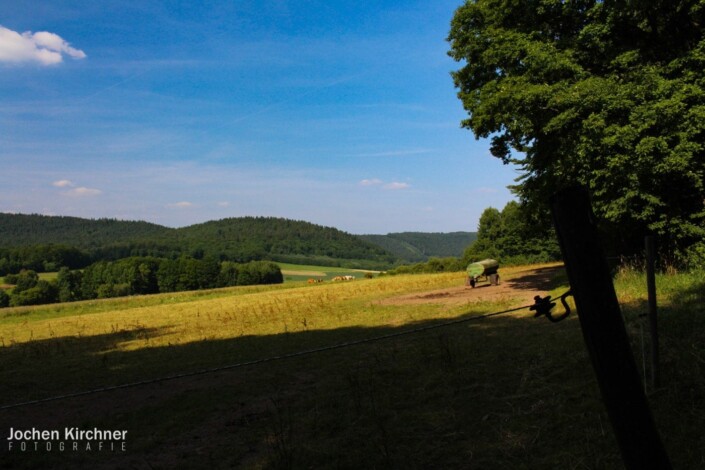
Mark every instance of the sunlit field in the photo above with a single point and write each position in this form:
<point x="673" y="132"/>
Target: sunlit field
<point x="297" y="272"/>
<point x="492" y="393"/>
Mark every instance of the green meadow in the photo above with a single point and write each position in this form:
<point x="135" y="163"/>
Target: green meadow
<point x="298" y="272"/>
<point x="510" y="391"/>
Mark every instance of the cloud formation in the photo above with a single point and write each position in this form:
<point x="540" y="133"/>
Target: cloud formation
<point x="80" y="191"/>
<point x="396" y="186"/>
<point x="41" y="47"/>
<point x="181" y="205"/>
<point x="83" y="192"/>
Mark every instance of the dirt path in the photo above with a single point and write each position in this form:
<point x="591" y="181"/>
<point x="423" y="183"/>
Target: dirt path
<point x="521" y="286"/>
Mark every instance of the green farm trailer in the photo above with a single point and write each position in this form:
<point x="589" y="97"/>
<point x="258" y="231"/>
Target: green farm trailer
<point x="485" y="270"/>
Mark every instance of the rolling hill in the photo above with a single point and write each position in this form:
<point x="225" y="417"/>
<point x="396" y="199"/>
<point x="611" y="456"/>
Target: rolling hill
<point x="237" y="239"/>
<point x="18" y="230"/>
<point x="420" y="246"/>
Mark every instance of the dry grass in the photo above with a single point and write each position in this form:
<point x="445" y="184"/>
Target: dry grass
<point x="506" y="392"/>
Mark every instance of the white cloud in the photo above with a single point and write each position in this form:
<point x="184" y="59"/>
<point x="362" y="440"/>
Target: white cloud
<point x="83" y="192"/>
<point x="80" y="191"/>
<point x="224" y="204"/>
<point x="396" y="186"/>
<point x="181" y="205"/>
<point x="42" y="47"/>
<point x="377" y="182"/>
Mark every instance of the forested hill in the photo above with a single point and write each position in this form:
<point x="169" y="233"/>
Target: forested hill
<point x="235" y="239"/>
<point x="279" y="239"/>
<point x="420" y="246"/>
<point x="18" y="230"/>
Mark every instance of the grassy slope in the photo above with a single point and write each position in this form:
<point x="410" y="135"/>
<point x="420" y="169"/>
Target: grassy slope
<point x="506" y="392"/>
<point x="298" y="272"/>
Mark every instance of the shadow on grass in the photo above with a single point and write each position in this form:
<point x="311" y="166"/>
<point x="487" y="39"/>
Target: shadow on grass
<point x="491" y="393"/>
<point x="679" y="403"/>
<point x="540" y="279"/>
<point x="486" y="394"/>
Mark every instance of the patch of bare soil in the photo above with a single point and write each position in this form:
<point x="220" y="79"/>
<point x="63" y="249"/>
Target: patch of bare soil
<point x="521" y="287"/>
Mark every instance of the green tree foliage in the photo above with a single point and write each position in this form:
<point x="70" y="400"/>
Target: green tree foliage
<point x="188" y="273"/>
<point x="433" y="265"/>
<point x="68" y="284"/>
<point x="43" y="292"/>
<point x="25" y="280"/>
<point x="607" y="94"/>
<point x="228" y="274"/>
<point x="489" y="231"/>
<point x="148" y="275"/>
<point x="420" y="246"/>
<point x="512" y="237"/>
<point x="259" y="272"/>
<point x="256" y="238"/>
<point x="4" y="299"/>
<point x="129" y="276"/>
<point x="41" y="258"/>
<point x="34" y="229"/>
<point x="696" y="257"/>
<point x="235" y="239"/>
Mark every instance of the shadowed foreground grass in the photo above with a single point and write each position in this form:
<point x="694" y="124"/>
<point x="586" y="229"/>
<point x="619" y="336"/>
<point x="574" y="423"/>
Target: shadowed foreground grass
<point x="503" y="392"/>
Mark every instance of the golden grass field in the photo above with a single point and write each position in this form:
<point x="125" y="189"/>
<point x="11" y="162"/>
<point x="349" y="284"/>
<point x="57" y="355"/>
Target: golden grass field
<point x="495" y="393"/>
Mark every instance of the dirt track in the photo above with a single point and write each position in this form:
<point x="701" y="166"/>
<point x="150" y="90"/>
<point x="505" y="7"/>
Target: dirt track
<point x="521" y="287"/>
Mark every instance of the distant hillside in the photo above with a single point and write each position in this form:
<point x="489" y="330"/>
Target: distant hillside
<point x="420" y="246"/>
<point x="237" y="239"/>
<point x="280" y="240"/>
<point x="34" y="229"/>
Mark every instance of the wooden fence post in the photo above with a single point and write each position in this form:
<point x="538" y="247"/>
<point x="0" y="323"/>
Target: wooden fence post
<point x="604" y="332"/>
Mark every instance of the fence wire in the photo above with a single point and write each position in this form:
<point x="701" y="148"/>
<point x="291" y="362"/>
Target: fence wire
<point x="264" y="360"/>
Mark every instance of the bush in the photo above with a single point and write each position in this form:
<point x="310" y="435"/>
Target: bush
<point x="69" y="284"/>
<point x="695" y="257"/>
<point x="259" y="272"/>
<point x="4" y="299"/>
<point x="26" y="279"/>
<point x="105" y="291"/>
<point x="228" y="274"/>
<point x="43" y="292"/>
<point x="433" y="265"/>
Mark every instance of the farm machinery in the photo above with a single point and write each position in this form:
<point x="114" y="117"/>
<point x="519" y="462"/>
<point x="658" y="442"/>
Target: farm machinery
<point x="485" y="270"/>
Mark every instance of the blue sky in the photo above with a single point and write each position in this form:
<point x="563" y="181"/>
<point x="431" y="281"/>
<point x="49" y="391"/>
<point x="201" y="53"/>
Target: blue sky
<point x="178" y="112"/>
